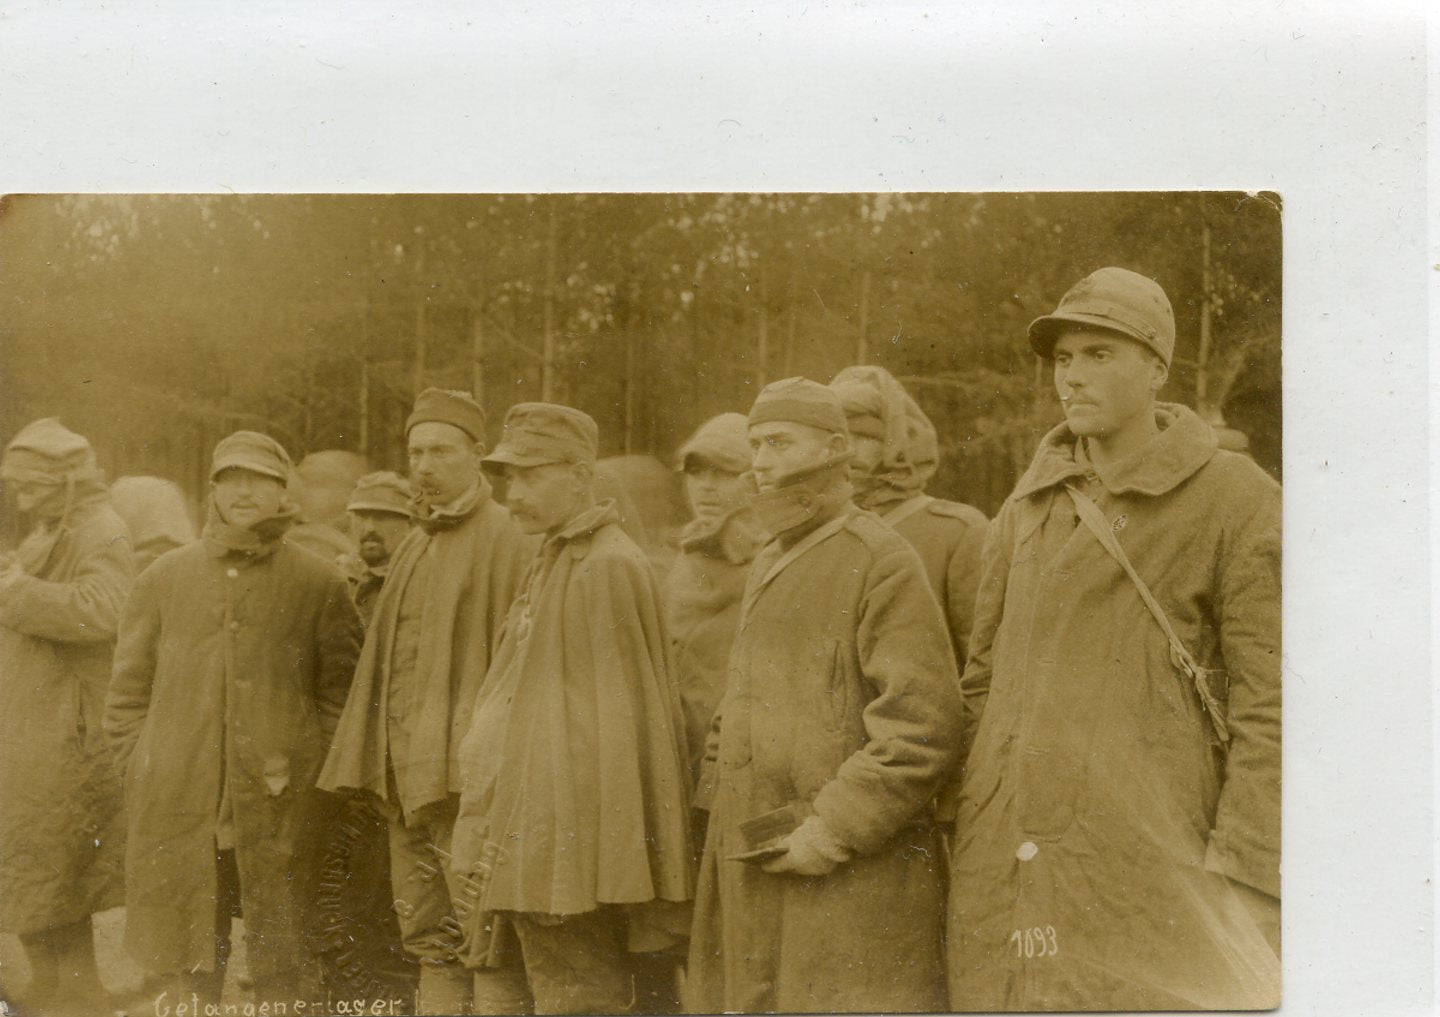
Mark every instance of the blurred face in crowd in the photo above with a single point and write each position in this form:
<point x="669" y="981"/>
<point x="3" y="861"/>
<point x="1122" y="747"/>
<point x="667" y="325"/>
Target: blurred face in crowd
<point x="377" y="534"/>
<point x="542" y="499"/>
<point x="444" y="462"/>
<point x="1106" y="382"/>
<point x="244" y="497"/>
<point x="713" y="492"/>
<point x="780" y="448"/>
<point x="869" y="453"/>
<point x="31" y="495"/>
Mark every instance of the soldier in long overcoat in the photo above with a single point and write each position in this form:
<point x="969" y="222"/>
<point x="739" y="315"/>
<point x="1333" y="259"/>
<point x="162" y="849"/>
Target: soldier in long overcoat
<point x="1118" y="833"/>
<point x="574" y="817"/>
<point x="234" y="657"/>
<point x="431" y="634"/>
<point x="896" y="454"/>
<point x="822" y="882"/>
<point x="707" y="580"/>
<point x="61" y="838"/>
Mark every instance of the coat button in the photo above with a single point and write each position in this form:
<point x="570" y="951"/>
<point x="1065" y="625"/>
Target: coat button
<point x="232" y="573"/>
<point x="234" y="626"/>
<point x="1027" y="851"/>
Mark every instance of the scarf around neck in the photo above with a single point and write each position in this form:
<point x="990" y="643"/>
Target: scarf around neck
<point x="258" y="540"/>
<point x="434" y="519"/>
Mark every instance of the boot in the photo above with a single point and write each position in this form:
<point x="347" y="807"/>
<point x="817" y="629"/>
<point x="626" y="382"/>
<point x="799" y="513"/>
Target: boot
<point x="44" y="971"/>
<point x="444" y="990"/>
<point x="78" y="978"/>
<point x="502" y="991"/>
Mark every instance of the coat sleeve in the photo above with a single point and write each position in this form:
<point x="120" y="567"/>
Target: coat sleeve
<point x="83" y="609"/>
<point x="127" y="701"/>
<point x="1245" y="843"/>
<point x="912" y="724"/>
<point x="962" y="582"/>
<point x="338" y="636"/>
<point x="989" y="603"/>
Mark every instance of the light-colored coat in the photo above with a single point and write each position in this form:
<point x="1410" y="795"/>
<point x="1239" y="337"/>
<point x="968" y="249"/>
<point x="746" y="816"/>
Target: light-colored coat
<point x="842" y="701"/>
<point x="576" y="793"/>
<point x="475" y="569"/>
<point x="230" y="667"/>
<point x="1099" y="821"/>
<point x="61" y="834"/>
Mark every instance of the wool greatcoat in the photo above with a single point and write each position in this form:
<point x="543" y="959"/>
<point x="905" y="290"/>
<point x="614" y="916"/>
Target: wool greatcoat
<point x="475" y="560"/>
<point x="61" y="833"/>
<point x="231" y="670"/>
<point x="576" y="792"/>
<point x="1099" y="825"/>
<point x="842" y="701"/>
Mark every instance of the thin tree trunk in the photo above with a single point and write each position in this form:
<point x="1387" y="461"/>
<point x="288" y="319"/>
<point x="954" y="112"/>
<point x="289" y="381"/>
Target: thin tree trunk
<point x="547" y="357"/>
<point x="860" y="349"/>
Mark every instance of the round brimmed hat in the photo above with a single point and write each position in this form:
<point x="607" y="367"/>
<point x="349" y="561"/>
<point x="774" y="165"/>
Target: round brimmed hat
<point x="448" y="406"/>
<point x="799" y="401"/>
<point x="382" y="491"/>
<point x="720" y="441"/>
<point x="541" y="433"/>
<point x="1115" y="300"/>
<point x="250" y="450"/>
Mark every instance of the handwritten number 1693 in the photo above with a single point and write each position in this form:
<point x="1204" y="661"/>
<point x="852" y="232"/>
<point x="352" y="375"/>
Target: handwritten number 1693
<point x="1035" y="942"/>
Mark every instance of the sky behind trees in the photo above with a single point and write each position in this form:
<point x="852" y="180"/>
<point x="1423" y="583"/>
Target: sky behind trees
<point x="157" y="324"/>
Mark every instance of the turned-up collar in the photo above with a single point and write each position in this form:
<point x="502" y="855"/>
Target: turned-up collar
<point x="585" y="524"/>
<point x="1184" y="444"/>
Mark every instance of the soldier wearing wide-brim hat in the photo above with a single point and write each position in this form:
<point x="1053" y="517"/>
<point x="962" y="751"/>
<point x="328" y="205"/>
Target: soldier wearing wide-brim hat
<point x="821" y="887"/>
<point x="574" y="817"/>
<point x="1121" y="795"/>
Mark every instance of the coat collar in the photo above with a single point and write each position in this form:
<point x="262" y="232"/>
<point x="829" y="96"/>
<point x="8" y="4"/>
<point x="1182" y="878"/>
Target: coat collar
<point x="585" y="524"/>
<point x="1185" y="443"/>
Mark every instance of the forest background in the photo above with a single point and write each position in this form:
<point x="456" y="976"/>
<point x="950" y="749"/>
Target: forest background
<point x="157" y="324"/>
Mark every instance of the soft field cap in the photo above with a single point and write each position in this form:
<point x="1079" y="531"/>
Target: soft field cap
<point x="800" y="401"/>
<point x="1116" y="300"/>
<point x="541" y="433"/>
<point x="448" y="406"/>
<point x="383" y="491"/>
<point x="250" y="450"/>
<point x="46" y="451"/>
<point x="721" y="441"/>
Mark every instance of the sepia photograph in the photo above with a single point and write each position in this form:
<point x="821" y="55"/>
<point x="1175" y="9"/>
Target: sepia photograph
<point x="686" y="507"/>
<point x="658" y="603"/>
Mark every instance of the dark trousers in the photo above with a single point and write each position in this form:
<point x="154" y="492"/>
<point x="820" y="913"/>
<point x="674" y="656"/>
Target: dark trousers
<point x="577" y="963"/>
<point x="208" y="985"/>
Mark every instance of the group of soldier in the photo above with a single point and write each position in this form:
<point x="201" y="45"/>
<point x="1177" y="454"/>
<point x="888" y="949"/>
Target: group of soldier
<point x="856" y="750"/>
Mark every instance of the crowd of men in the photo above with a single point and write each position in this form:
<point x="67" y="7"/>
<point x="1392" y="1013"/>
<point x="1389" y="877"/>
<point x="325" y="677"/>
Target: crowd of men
<point x="857" y="749"/>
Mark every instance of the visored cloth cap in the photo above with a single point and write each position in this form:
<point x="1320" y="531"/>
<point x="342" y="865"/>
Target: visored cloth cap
<point x="250" y="450"/>
<point x="1115" y="300"/>
<point x="382" y="491"/>
<point x="720" y="441"/>
<point x="541" y="433"/>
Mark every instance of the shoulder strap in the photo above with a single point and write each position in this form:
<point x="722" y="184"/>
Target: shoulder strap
<point x="1095" y="521"/>
<point x="906" y="509"/>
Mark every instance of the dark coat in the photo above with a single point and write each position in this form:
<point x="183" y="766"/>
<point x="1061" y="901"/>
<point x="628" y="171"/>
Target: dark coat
<point x="61" y="834"/>
<point x="1098" y="821"/>
<point x="702" y="612"/>
<point x="230" y="667"/>
<point x="842" y="701"/>
<point x="948" y="536"/>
